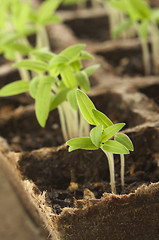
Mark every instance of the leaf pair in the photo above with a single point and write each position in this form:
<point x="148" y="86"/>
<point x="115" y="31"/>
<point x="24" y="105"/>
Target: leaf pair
<point x="90" y="113"/>
<point x="104" y="130"/>
<point x="45" y="15"/>
<point x="121" y="145"/>
<point x="137" y="10"/>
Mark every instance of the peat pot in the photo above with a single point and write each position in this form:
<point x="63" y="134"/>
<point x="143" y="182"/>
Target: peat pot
<point x="68" y="194"/>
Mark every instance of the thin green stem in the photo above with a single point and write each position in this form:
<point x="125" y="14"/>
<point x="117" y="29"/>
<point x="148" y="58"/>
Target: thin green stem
<point x="68" y="119"/>
<point x="62" y="122"/>
<point x="42" y="39"/>
<point x="24" y="74"/>
<point x="111" y="170"/>
<point x="45" y="38"/>
<point x="122" y="160"/>
<point x="112" y="20"/>
<point x="39" y="42"/>
<point x="155" y="48"/>
<point x="146" y="56"/>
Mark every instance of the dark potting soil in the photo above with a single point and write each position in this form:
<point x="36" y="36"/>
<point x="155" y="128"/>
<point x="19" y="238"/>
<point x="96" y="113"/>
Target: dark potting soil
<point x="125" y="62"/>
<point x="67" y="177"/>
<point x="151" y="92"/>
<point x="2" y="60"/>
<point x="9" y="76"/>
<point x="60" y="198"/>
<point x="7" y="104"/>
<point x="94" y="27"/>
<point x="24" y="133"/>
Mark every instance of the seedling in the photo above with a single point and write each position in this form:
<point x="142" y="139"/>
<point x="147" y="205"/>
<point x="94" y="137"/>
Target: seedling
<point x="18" y="20"/>
<point x="144" y="20"/>
<point x="101" y="136"/>
<point x="57" y="77"/>
<point x="116" y="21"/>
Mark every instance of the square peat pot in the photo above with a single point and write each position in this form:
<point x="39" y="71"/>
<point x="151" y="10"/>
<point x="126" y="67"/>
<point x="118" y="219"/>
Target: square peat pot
<point x="68" y="194"/>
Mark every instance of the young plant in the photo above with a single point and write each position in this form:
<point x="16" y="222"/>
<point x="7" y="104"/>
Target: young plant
<point x="117" y="21"/>
<point x="57" y="77"/>
<point x="144" y="20"/>
<point x="18" y="20"/>
<point x="104" y="136"/>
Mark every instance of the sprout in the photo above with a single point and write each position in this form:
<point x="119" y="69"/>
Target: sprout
<point x="54" y="85"/>
<point x="18" y="21"/>
<point x="104" y="136"/>
<point x="144" y="21"/>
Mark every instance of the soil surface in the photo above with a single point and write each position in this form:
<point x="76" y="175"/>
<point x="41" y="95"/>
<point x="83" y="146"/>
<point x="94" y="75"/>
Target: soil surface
<point x="67" y="177"/>
<point x="94" y="27"/>
<point x="24" y="133"/>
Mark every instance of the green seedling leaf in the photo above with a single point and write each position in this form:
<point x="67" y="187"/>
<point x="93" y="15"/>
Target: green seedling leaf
<point x="96" y="134"/>
<point x="71" y="97"/>
<point x="76" y="65"/>
<point x="115" y="147"/>
<point x="47" y="9"/>
<point x="90" y="70"/>
<point x="22" y="48"/>
<point x="120" y="5"/>
<point x="29" y="30"/>
<point x="3" y="16"/>
<point x="35" y="82"/>
<point x="35" y="65"/>
<point x="125" y="140"/>
<point x="34" y="86"/>
<point x="83" y="81"/>
<point x="51" y="20"/>
<point x="85" y="55"/>
<point x="9" y="54"/>
<point x="155" y="14"/>
<point x="42" y="101"/>
<point x="20" y="14"/>
<point x="111" y="131"/>
<point x="143" y="29"/>
<point x="86" y="106"/>
<point x="7" y="36"/>
<point x="61" y="85"/>
<point x="81" y="143"/>
<point x="59" y="98"/>
<point x="122" y="27"/>
<point x="57" y="60"/>
<point x="14" y="88"/>
<point x="72" y="52"/>
<point x="68" y="77"/>
<point x="101" y="118"/>
<point x="141" y="8"/>
<point x="42" y="54"/>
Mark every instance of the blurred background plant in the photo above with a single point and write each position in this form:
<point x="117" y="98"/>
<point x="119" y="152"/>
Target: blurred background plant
<point x="135" y="18"/>
<point x="19" y="20"/>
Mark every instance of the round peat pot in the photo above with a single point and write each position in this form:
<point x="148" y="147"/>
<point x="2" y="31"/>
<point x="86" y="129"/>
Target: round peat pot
<point x="43" y="179"/>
